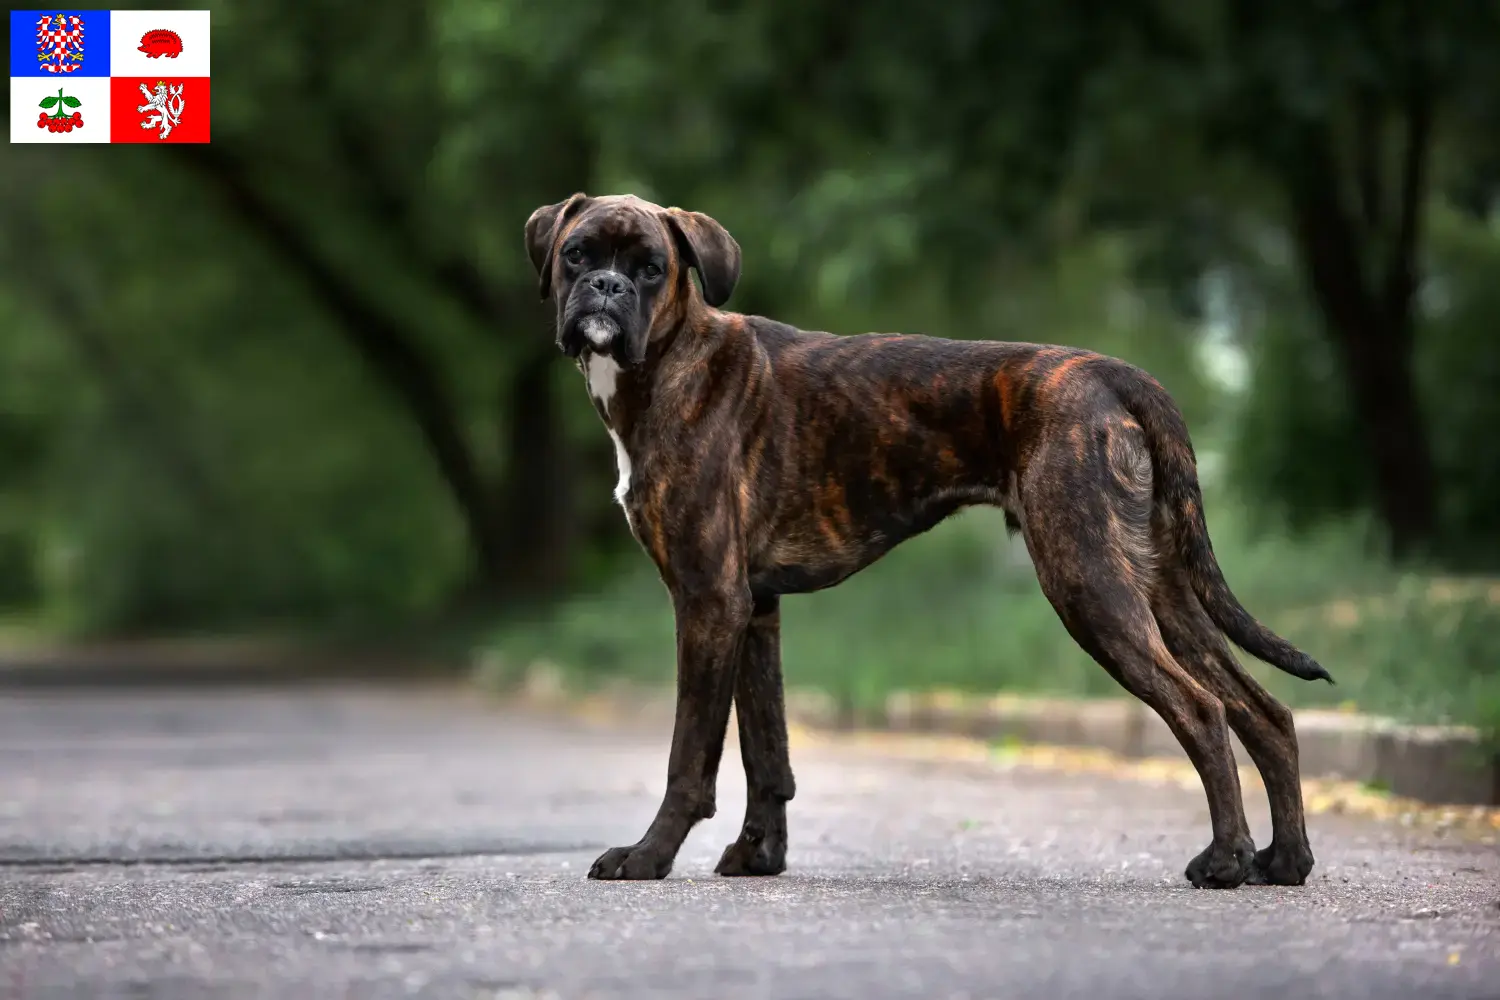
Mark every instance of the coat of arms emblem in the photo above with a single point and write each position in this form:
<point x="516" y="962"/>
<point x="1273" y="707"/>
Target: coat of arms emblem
<point x="59" y="42"/>
<point x="161" y="42"/>
<point x="165" y="104"/>
<point x="60" y="120"/>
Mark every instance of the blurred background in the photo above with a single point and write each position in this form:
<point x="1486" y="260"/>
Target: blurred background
<point x="297" y="382"/>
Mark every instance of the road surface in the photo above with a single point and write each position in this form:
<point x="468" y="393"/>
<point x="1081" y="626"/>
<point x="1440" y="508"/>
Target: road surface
<point x="386" y="843"/>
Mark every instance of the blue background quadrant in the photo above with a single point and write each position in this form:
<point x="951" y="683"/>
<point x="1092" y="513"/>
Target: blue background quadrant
<point x="23" y="49"/>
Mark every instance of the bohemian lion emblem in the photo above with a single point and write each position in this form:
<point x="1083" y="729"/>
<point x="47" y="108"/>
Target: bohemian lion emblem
<point x="165" y="105"/>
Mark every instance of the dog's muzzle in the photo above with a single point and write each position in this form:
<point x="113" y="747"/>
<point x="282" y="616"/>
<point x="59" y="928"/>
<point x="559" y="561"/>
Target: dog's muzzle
<point x="600" y="315"/>
<point x="597" y="332"/>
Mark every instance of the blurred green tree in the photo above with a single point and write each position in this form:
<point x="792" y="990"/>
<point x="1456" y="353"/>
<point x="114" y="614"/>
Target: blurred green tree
<point x="304" y="368"/>
<point x="1333" y="125"/>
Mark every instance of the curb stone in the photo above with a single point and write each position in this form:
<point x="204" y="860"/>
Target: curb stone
<point x="1438" y="765"/>
<point x="1434" y="765"/>
<point x="206" y="663"/>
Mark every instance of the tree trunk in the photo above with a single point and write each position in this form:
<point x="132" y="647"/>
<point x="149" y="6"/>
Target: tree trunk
<point x="1372" y="330"/>
<point x="534" y="495"/>
<point x="1379" y="370"/>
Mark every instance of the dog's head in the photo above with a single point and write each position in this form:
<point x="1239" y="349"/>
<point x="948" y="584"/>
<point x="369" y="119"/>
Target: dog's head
<point x="618" y="268"/>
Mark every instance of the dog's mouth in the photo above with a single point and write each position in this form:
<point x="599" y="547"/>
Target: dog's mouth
<point x="599" y="331"/>
<point x="600" y="334"/>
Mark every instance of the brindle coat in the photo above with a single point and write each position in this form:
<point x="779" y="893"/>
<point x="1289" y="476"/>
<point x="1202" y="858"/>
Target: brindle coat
<point x="758" y="460"/>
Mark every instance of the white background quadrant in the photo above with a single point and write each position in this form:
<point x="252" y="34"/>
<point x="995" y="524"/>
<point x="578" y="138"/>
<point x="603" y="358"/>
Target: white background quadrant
<point x="27" y="92"/>
<point x="126" y="28"/>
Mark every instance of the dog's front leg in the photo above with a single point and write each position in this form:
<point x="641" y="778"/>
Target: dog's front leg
<point x="760" y="706"/>
<point x="710" y="633"/>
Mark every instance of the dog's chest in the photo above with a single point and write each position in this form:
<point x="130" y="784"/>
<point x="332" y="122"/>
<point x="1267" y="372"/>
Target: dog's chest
<point x="603" y="376"/>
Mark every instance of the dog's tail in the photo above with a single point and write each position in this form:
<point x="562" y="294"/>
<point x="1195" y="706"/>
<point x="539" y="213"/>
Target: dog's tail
<point x="1178" y="492"/>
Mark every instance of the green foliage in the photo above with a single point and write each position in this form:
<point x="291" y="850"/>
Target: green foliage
<point x="1298" y="453"/>
<point x="1459" y="370"/>
<point x="226" y="465"/>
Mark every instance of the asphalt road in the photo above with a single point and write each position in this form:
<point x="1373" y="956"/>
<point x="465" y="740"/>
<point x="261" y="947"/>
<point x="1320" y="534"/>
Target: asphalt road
<point x="391" y="844"/>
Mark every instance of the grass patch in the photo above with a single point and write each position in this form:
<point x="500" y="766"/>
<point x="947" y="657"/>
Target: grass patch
<point x="22" y="629"/>
<point x="960" y="608"/>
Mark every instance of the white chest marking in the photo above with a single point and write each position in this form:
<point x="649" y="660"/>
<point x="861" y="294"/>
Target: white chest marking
<point x="602" y="374"/>
<point x="622" y="460"/>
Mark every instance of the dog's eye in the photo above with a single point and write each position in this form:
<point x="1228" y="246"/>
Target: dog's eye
<point x="652" y="271"/>
<point x="573" y="256"/>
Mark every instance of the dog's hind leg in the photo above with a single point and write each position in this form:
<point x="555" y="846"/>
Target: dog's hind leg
<point x="760" y="708"/>
<point x="1086" y="522"/>
<point x="1262" y="723"/>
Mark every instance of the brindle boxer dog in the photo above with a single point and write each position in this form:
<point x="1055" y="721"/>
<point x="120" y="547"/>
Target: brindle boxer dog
<point x="758" y="460"/>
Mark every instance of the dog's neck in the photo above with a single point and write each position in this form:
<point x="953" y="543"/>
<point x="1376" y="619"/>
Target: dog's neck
<point x="676" y="368"/>
<point x="622" y="392"/>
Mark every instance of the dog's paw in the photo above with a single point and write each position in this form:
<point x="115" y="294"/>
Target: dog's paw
<point x="638" y="862"/>
<point x="760" y="856"/>
<point x="1276" y="865"/>
<point x="1220" y="867"/>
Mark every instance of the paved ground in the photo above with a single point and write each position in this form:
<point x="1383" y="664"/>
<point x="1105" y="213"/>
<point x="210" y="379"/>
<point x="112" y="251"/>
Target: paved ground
<point x="391" y="844"/>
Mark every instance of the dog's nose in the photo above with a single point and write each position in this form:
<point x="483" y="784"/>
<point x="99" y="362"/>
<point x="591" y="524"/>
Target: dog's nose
<point x="608" y="284"/>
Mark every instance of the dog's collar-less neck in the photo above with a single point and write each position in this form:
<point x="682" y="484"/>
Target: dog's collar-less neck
<point x="622" y="394"/>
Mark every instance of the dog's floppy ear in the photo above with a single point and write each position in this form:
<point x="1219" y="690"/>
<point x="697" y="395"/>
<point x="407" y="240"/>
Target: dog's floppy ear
<point x="542" y="230"/>
<point x="707" y="246"/>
